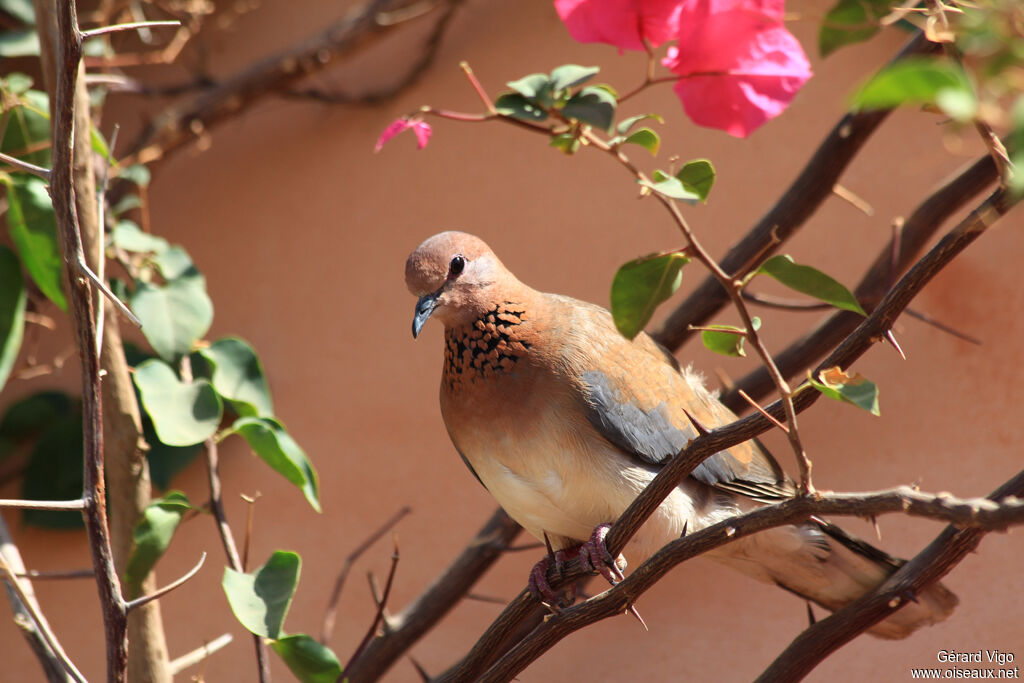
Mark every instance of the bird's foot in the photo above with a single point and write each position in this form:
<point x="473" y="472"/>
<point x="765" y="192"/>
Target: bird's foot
<point x="595" y="556"/>
<point x="541" y="589"/>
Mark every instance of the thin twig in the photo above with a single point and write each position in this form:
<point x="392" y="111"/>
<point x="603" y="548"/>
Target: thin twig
<point x="102" y="286"/>
<point x="77" y="504"/>
<point x="371" y="633"/>
<point x="41" y="575"/>
<point x="131" y="26"/>
<point x="142" y="600"/>
<point x="25" y="166"/>
<point x="192" y="658"/>
<point x="330" y="614"/>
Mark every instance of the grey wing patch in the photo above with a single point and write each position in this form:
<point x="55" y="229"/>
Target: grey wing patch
<point x="649" y="435"/>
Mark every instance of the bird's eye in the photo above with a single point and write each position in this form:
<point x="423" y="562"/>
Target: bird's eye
<point x="458" y="263"/>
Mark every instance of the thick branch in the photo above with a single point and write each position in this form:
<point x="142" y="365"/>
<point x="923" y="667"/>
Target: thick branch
<point x="892" y="260"/>
<point x="276" y="74"/>
<point x="420" y="616"/>
<point x="931" y="564"/>
<point x="801" y="200"/>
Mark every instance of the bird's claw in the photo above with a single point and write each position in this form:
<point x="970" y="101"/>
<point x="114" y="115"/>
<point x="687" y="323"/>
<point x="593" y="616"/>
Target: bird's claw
<point x="594" y="554"/>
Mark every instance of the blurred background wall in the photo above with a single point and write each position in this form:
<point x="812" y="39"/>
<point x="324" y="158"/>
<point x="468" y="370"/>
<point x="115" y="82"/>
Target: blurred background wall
<point x="302" y="233"/>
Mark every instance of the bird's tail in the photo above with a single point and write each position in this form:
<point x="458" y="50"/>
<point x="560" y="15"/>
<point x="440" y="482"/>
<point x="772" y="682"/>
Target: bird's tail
<point x="822" y="563"/>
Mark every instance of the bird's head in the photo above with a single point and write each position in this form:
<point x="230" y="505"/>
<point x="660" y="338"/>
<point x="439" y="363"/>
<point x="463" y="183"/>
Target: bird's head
<point x="455" y="277"/>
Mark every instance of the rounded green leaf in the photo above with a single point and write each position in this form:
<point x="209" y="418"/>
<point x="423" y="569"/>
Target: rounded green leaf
<point x="911" y="80"/>
<point x="592" y="105"/>
<point x="727" y="339"/>
<point x="183" y="414"/>
<point x="532" y="87"/>
<point x="810" y="281"/>
<point x="33" y="229"/>
<point x="260" y="599"/>
<point x="12" y="311"/>
<point x="152" y="536"/>
<point x="671" y="187"/>
<point x="518" y="107"/>
<point x="127" y="235"/>
<point x="275" y="446"/>
<point x="849" y="22"/>
<point x="646" y="138"/>
<point x="640" y="286"/>
<point x="175" y="315"/>
<point x="238" y="376"/>
<point x="697" y="176"/>
<point x="310" y="661"/>
<point x="624" y="125"/>
<point x="571" y="75"/>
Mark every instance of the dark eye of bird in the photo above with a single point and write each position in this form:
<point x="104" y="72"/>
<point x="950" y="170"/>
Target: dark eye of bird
<point x="456" y="266"/>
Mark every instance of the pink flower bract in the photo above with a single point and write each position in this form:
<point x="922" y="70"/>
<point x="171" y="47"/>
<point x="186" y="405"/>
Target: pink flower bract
<point x="421" y="129"/>
<point x="623" y="23"/>
<point x="739" y="64"/>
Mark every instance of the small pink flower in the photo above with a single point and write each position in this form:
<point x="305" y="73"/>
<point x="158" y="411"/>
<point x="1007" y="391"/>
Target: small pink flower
<point x="623" y="23"/>
<point x="420" y="128"/>
<point x="739" y="64"/>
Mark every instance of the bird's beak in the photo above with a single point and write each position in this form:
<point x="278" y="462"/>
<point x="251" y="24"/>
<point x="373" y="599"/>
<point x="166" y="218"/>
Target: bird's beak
<point x="424" y="307"/>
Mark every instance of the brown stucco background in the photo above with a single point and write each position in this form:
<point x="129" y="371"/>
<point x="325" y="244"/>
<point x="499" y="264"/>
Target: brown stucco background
<point x="302" y="234"/>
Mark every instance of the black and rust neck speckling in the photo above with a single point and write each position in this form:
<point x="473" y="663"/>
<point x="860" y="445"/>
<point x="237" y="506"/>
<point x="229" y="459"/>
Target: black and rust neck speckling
<point x="491" y="345"/>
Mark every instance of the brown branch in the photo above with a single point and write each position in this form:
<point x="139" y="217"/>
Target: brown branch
<point x="25" y="167"/>
<point x="917" y="230"/>
<point x="867" y="333"/>
<point x="68" y="118"/>
<point x="800" y="201"/>
<point x="408" y="626"/>
<point x="28" y="616"/>
<point x="330" y="614"/>
<point x="227" y="539"/>
<point x="378" y="617"/>
<point x="275" y="74"/>
<point x="931" y="564"/>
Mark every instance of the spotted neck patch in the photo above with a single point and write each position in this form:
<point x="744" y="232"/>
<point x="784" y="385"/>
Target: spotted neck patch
<point x="491" y="345"/>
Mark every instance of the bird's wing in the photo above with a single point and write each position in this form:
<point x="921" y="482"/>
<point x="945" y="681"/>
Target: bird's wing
<point x="634" y="394"/>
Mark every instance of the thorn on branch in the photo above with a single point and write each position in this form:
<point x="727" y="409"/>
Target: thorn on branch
<point x="140" y="601"/>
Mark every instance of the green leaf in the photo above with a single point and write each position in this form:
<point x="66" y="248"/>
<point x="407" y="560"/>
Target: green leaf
<point x="165" y="461"/>
<point x="19" y="43"/>
<point x="592" y="105"/>
<point x="54" y="472"/>
<point x="671" y="187"/>
<point x="238" y="377"/>
<point x="136" y="173"/>
<point x="518" y="107"/>
<point x="183" y="414"/>
<point x="270" y="441"/>
<point x="260" y="599"/>
<point x="849" y="22"/>
<point x="626" y="124"/>
<point x="28" y="127"/>
<point x="914" y="81"/>
<point x="310" y="661"/>
<point x="16" y="83"/>
<point x="175" y="315"/>
<point x="646" y="138"/>
<point x="33" y="229"/>
<point x="727" y="339"/>
<point x="35" y="413"/>
<point x="174" y="262"/>
<point x="640" y="285"/>
<point x="697" y="176"/>
<point x="12" y="311"/>
<point x="566" y="142"/>
<point x="21" y="10"/>
<point x="152" y="535"/>
<point x="810" y="281"/>
<point x="571" y="75"/>
<point x="127" y="235"/>
<point x="532" y="87"/>
<point x="840" y="386"/>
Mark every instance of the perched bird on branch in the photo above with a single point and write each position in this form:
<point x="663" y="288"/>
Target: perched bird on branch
<point x="565" y="421"/>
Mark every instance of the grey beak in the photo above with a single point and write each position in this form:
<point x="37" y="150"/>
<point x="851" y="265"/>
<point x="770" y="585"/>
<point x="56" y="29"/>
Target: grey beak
<point x="424" y="307"/>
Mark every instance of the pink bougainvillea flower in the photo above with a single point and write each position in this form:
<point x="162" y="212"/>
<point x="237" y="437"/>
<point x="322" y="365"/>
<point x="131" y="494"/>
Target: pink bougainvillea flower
<point x="623" y="23"/>
<point x="739" y="64"/>
<point x="420" y="128"/>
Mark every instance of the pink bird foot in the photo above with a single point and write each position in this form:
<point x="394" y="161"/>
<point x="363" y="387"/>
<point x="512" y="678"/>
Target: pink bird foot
<point x="595" y="556"/>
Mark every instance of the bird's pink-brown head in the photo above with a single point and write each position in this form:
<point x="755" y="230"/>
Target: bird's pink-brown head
<point x="456" y="278"/>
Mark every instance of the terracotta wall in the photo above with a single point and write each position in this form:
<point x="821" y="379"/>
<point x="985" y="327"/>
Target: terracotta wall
<point x="302" y="234"/>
